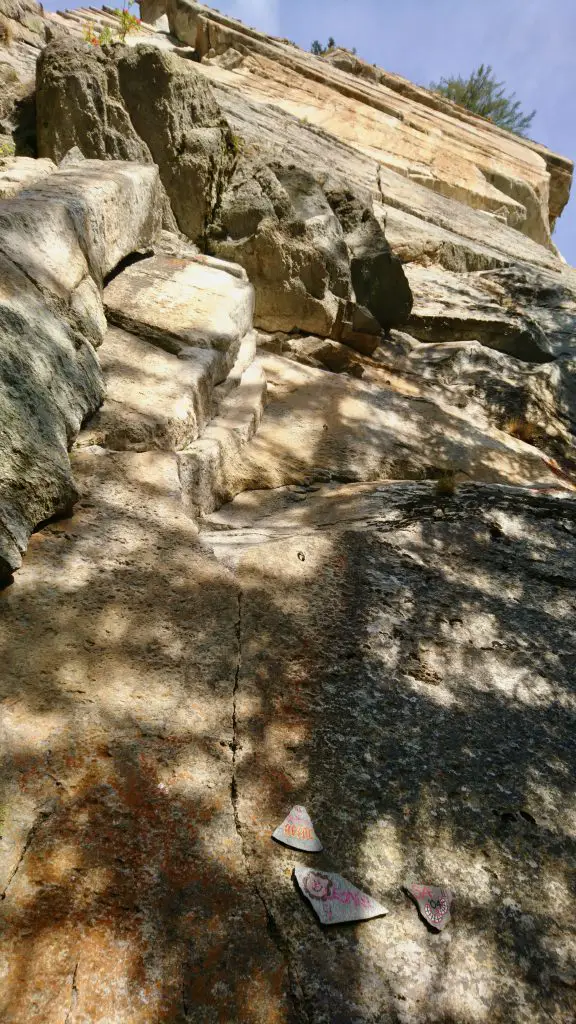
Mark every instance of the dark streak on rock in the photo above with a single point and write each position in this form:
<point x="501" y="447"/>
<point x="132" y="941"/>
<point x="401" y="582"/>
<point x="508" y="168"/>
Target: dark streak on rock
<point x="73" y="995"/>
<point x="42" y="817"/>
<point x="298" y="1007"/>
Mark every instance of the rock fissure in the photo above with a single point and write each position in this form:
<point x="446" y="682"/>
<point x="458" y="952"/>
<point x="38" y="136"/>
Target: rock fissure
<point x="272" y="927"/>
<point x="328" y="564"/>
<point x="73" y="996"/>
<point x="42" y="818"/>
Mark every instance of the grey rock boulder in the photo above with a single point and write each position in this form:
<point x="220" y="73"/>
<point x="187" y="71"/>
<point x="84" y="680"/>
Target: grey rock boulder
<point x="59" y="239"/>
<point x="379" y="282"/>
<point x="312" y="273"/>
<point x="50" y="381"/>
<point x="137" y="103"/>
<point x="457" y="307"/>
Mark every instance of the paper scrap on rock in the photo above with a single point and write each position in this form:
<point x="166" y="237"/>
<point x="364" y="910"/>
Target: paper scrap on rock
<point x="298" y="831"/>
<point x="334" y="899"/>
<point x="433" y="902"/>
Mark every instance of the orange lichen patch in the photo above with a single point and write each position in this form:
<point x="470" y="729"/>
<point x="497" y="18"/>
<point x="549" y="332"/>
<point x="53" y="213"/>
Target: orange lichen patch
<point x="521" y="428"/>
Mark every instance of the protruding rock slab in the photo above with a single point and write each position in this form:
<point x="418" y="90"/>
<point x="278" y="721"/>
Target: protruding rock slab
<point x="455" y="307"/>
<point x="18" y="172"/>
<point x="433" y="902"/>
<point x="115" y="207"/>
<point x="183" y="303"/>
<point x="209" y="467"/>
<point x="50" y="381"/>
<point x="334" y="899"/>
<point x="298" y="831"/>
<point x="153" y="398"/>
<point x="320" y="426"/>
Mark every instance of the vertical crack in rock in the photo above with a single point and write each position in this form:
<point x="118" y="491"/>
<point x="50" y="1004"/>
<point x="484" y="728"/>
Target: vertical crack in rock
<point x="274" y="932"/>
<point x="43" y="817"/>
<point x="73" y="995"/>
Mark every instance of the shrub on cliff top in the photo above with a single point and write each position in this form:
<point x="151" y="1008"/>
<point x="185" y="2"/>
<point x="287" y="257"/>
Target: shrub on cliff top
<point x="482" y="94"/>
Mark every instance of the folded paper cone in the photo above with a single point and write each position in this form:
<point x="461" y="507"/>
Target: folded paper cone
<point x="297" y="831"/>
<point x="334" y="899"/>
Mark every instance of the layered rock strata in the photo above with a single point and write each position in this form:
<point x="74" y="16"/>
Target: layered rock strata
<point x="328" y="562"/>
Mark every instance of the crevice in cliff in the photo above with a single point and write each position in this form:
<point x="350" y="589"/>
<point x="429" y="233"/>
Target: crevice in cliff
<point x="42" y="818"/>
<point x="272" y="927"/>
<point x="73" y="996"/>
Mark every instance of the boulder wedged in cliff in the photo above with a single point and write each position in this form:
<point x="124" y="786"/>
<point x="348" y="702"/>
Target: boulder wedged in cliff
<point x="310" y="273"/>
<point x="183" y="304"/>
<point x="137" y="104"/>
<point x="174" y="110"/>
<point x="378" y="280"/>
<point x="50" y="381"/>
<point x="78" y="103"/>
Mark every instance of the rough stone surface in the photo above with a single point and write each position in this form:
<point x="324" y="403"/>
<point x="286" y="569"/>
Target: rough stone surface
<point x="70" y="229"/>
<point x="492" y="387"/>
<point x="154" y="400"/>
<point x="319" y="352"/>
<point x="114" y="210"/>
<point x="409" y="702"/>
<point x="209" y="467"/>
<point x="137" y="104"/>
<point x="452" y="307"/>
<point x="58" y="239"/>
<point x="18" y="172"/>
<point x="314" y="257"/>
<point x="49" y="382"/>
<point x="319" y="426"/>
<point x="182" y="303"/>
<point x="397" y="657"/>
<point x="123" y="881"/>
<point x="424" y="137"/>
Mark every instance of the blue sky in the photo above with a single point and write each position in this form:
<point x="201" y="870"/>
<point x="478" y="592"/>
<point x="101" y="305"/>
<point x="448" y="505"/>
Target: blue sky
<point x="531" y="45"/>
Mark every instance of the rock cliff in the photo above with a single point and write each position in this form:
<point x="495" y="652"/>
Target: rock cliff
<point x="287" y="516"/>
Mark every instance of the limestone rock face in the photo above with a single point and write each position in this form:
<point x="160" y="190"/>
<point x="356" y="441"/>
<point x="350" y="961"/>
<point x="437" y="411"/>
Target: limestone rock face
<point x="408" y="129"/>
<point x="184" y="303"/>
<point x="141" y="104"/>
<point x="58" y="239"/>
<point x="317" y="267"/>
<point x="50" y="381"/>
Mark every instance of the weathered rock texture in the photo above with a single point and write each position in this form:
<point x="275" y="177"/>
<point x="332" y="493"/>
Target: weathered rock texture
<point x="331" y="564"/>
<point x="58" y="239"/>
<point x="141" y="104"/>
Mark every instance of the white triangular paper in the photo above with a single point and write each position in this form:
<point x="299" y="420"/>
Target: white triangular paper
<point x="334" y="899"/>
<point x="433" y="902"/>
<point x="298" y="831"/>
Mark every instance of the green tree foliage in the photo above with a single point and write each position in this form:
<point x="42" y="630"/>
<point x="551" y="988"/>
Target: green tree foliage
<point x="319" y="51"/>
<point x="482" y="94"/>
